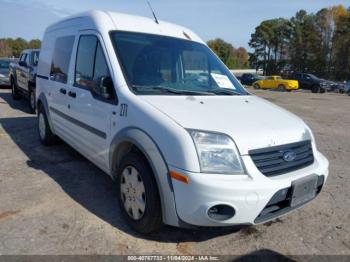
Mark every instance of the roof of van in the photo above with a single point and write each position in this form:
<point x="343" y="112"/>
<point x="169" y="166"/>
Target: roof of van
<point x="106" y="21"/>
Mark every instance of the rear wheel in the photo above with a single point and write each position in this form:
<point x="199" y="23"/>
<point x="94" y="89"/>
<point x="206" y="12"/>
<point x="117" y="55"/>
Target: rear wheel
<point x="32" y="101"/>
<point x="46" y="136"/>
<point x="14" y="90"/>
<point x="138" y="194"/>
<point x="256" y="86"/>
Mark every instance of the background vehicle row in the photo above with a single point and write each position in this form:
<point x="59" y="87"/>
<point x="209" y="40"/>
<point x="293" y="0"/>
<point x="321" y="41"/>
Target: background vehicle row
<point x="22" y="76"/>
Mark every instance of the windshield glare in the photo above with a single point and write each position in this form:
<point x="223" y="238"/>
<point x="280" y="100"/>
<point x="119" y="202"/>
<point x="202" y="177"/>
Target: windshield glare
<point x="153" y="64"/>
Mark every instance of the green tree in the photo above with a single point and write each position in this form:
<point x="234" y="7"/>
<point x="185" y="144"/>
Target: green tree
<point x="5" y="49"/>
<point x="233" y="58"/>
<point x="13" y="47"/>
<point x="270" y="41"/>
<point x="315" y="43"/>
<point x="34" y="44"/>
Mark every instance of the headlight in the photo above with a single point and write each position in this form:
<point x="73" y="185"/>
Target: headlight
<point x="217" y="153"/>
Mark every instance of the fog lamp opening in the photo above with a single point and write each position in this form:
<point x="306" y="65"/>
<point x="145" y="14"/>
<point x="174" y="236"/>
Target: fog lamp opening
<point x="221" y="212"/>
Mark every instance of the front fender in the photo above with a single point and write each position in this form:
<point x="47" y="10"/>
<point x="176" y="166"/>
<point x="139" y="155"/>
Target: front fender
<point x="149" y="148"/>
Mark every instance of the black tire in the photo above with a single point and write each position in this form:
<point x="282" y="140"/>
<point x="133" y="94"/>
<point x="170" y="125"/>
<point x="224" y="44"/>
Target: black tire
<point x="315" y="89"/>
<point x="14" y="90"/>
<point x="151" y="219"/>
<point x="32" y="101"/>
<point x="282" y="88"/>
<point x="341" y="91"/>
<point x="322" y="90"/>
<point x="47" y="138"/>
<point x="256" y="86"/>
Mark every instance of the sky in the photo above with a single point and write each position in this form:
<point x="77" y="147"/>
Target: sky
<point x="232" y="20"/>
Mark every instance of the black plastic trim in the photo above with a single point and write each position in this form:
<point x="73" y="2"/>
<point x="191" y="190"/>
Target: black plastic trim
<point x="80" y="124"/>
<point x="275" y="209"/>
<point x="42" y="77"/>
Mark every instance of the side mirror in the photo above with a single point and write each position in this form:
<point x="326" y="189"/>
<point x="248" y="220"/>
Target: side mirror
<point x="106" y="87"/>
<point x="23" y="63"/>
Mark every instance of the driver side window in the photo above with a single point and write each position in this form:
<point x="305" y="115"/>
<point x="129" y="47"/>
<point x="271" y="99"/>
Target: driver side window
<point x="91" y="70"/>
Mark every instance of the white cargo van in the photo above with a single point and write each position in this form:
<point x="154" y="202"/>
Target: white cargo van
<point x="151" y="105"/>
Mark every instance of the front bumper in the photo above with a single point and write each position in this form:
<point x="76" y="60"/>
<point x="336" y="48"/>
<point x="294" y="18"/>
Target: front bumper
<point x="249" y="194"/>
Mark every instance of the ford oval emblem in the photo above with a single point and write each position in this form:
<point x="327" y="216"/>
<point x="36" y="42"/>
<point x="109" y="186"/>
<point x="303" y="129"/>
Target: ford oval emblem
<point x="289" y="156"/>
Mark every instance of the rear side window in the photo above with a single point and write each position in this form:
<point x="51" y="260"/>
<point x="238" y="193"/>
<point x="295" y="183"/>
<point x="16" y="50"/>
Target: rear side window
<point x="61" y="59"/>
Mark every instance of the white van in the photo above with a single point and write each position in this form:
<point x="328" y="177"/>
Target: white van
<point x="151" y="105"/>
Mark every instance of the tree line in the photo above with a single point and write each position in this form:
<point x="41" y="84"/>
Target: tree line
<point x="317" y="43"/>
<point x="10" y="47"/>
<point x="231" y="56"/>
<point x="234" y="58"/>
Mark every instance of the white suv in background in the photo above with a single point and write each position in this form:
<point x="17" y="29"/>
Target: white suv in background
<point x="151" y="105"/>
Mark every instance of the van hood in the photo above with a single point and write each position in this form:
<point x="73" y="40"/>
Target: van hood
<point x="250" y="121"/>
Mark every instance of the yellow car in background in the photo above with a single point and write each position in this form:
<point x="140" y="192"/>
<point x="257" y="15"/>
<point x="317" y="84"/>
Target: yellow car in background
<point x="276" y="82"/>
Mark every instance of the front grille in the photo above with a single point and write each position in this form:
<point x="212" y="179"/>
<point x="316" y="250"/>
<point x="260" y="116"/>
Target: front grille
<point x="270" y="160"/>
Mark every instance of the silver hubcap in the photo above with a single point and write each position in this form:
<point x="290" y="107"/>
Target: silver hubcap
<point x="42" y="126"/>
<point x="132" y="192"/>
<point x="32" y="99"/>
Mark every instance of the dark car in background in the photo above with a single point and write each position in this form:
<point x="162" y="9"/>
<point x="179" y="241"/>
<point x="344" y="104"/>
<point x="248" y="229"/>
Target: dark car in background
<point x="23" y="76"/>
<point x="249" y="79"/>
<point x="310" y="82"/>
<point x="4" y="71"/>
<point x="347" y="85"/>
<point x="337" y="87"/>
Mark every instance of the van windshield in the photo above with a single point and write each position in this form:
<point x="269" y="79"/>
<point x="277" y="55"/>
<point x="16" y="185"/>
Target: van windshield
<point x="154" y="64"/>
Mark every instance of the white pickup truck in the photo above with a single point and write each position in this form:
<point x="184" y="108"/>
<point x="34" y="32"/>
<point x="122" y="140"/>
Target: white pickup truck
<point x="22" y="76"/>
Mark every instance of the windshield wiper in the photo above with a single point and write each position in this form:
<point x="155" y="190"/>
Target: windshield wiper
<point x="225" y="91"/>
<point x="165" y="89"/>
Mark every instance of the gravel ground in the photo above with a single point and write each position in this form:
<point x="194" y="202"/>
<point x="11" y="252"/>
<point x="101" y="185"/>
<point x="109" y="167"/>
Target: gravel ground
<point x="53" y="201"/>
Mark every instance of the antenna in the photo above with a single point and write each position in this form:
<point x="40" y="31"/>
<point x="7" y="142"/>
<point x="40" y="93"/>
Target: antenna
<point x="154" y="15"/>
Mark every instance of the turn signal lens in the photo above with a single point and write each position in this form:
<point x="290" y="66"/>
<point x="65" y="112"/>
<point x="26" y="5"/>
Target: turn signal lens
<point x="179" y="177"/>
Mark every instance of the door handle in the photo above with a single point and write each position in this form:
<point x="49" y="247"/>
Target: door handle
<point x="63" y="91"/>
<point x="72" y="94"/>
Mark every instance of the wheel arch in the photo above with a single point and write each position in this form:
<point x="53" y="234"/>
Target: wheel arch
<point x="42" y="103"/>
<point x="134" y="138"/>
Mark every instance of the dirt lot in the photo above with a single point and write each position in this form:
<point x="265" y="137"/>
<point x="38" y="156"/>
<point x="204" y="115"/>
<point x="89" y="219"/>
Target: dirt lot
<point x="53" y="201"/>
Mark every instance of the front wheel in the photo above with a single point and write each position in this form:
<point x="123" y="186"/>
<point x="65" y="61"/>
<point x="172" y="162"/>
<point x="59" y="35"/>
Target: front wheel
<point x="32" y="102"/>
<point x="138" y="194"/>
<point x="14" y="91"/>
<point x="281" y="88"/>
